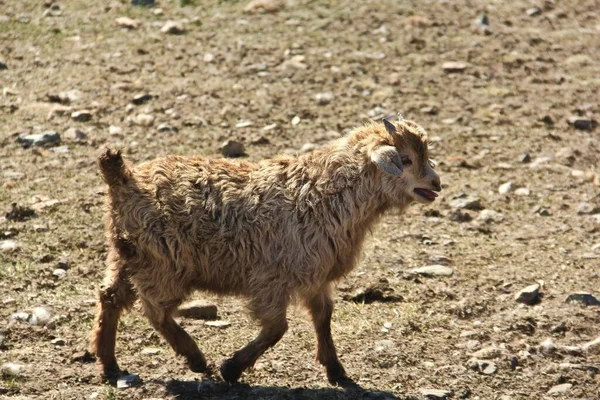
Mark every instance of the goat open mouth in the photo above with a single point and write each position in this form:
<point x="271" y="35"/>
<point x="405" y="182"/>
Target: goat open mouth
<point x="426" y="193"/>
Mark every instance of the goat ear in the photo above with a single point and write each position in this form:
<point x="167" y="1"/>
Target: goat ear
<point x="390" y="127"/>
<point x="388" y="160"/>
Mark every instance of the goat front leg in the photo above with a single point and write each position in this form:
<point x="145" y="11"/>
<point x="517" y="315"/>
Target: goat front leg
<point x="320" y="306"/>
<point x="272" y="317"/>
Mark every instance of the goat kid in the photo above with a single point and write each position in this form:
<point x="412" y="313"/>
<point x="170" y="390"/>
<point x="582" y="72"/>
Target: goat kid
<point x="276" y="231"/>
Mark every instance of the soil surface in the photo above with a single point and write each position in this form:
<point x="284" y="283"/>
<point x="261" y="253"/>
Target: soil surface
<point x="520" y="204"/>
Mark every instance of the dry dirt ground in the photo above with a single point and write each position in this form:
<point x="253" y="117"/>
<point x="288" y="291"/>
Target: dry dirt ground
<point x="503" y="118"/>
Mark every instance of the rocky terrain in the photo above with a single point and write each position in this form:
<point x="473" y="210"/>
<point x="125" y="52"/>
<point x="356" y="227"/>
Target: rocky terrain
<point x="492" y="292"/>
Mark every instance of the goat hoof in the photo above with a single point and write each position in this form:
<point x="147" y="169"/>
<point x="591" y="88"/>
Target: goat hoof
<point x="110" y="373"/>
<point x="336" y="374"/>
<point x="197" y="364"/>
<point x="231" y="371"/>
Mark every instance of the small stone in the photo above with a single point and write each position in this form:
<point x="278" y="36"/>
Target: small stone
<point x="173" y="28"/>
<point x="64" y="98"/>
<point x="506" y="188"/>
<point x="127" y="23"/>
<point x="560" y="389"/>
<point x="58" y="342"/>
<point x="269" y="127"/>
<point x="143" y="3"/>
<point x="529" y="295"/>
<point x="482" y="20"/>
<point x="8" y="246"/>
<point x="382" y="345"/>
<point x="264" y="6"/>
<point x="40" y="316"/>
<point x="435" y="394"/>
<point x="150" y="351"/>
<point x="592" y="347"/>
<point x="74" y="135"/>
<point x="522" y="192"/>
<point x="144" y="119"/>
<point x="243" y="124"/>
<point x="581" y="123"/>
<point x="467" y="202"/>
<point x="454" y="67"/>
<point x="544" y="212"/>
<point x="587" y="209"/>
<point x="534" y="11"/>
<point x="259" y="140"/>
<point x="218" y="324"/>
<point x="295" y="120"/>
<point x="11" y="369"/>
<point x="437" y="259"/>
<point x="81" y="116"/>
<point x="197" y="310"/>
<point x="539" y="161"/>
<point x="127" y="381"/>
<point x="115" y="130"/>
<point x="20" y="316"/>
<point x="47" y="138"/>
<point x="324" y="98"/>
<point x="60" y="149"/>
<point x="59" y="273"/>
<point x="432" y="270"/>
<point x="9" y="301"/>
<point x="459" y="216"/>
<point x="430" y="110"/>
<point x="484" y="366"/>
<point x="308" y="147"/>
<point x="488" y="216"/>
<point x="209" y="57"/>
<point x="586" y="299"/>
<point x="525" y="158"/>
<point x="3" y="66"/>
<point x="167" y="128"/>
<point x="63" y="263"/>
<point x="232" y="148"/>
<point x="141" y="98"/>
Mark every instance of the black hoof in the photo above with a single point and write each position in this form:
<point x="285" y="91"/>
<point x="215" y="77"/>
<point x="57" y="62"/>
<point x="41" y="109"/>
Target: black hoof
<point x="111" y="373"/>
<point x="231" y="371"/>
<point x="197" y="364"/>
<point x="336" y="375"/>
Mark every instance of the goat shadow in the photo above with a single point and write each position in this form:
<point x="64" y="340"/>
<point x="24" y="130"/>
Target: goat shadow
<point x="210" y="390"/>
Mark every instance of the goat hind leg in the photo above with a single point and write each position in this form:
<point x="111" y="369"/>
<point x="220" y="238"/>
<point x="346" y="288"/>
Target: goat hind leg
<point x="116" y="294"/>
<point x="181" y="342"/>
<point x="274" y="325"/>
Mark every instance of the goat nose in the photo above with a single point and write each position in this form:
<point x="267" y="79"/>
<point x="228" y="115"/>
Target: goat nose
<point x="437" y="186"/>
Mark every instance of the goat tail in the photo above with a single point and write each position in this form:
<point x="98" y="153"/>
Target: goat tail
<point x="114" y="170"/>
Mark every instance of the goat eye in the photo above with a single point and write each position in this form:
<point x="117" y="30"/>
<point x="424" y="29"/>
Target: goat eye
<point x="406" y="161"/>
<point x="432" y="163"/>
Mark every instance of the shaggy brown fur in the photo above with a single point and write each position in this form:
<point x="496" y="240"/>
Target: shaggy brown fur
<point x="274" y="231"/>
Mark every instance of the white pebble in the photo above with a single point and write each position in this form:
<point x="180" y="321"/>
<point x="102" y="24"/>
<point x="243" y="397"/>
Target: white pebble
<point x="40" y="316"/>
<point x="59" y="273"/>
<point x="12" y="369"/>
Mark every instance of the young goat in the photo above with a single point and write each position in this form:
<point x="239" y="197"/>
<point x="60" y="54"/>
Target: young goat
<point x="273" y="231"/>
